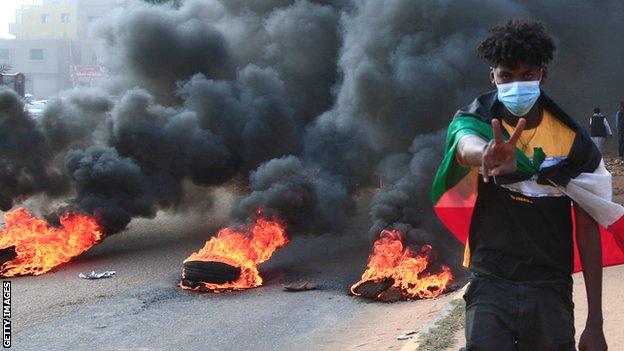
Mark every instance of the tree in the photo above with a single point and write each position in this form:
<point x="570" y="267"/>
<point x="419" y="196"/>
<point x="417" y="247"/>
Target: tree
<point x="174" y="3"/>
<point x="4" y="68"/>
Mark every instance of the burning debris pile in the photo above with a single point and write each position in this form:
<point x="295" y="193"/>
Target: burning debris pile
<point x="229" y="260"/>
<point x="396" y="272"/>
<point x="39" y="247"/>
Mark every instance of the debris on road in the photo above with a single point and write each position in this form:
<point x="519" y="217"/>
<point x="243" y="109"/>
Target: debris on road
<point x="94" y="275"/>
<point x="301" y="286"/>
<point x="407" y="335"/>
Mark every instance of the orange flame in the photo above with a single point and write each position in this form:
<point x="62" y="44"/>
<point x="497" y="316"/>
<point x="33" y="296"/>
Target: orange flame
<point x="391" y="260"/>
<point x="40" y="246"/>
<point x="244" y="247"/>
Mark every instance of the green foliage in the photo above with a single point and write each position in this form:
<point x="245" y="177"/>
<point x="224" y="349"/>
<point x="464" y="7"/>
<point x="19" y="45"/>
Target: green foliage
<point x="4" y="68"/>
<point x="174" y="3"/>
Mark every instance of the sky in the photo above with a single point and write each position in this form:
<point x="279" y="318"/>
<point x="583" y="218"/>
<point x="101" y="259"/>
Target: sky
<point x="7" y="14"/>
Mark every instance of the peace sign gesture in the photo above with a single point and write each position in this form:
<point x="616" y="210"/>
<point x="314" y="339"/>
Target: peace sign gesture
<point x="499" y="156"/>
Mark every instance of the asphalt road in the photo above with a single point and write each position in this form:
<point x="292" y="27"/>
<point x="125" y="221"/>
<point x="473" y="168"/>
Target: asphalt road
<point x="142" y="309"/>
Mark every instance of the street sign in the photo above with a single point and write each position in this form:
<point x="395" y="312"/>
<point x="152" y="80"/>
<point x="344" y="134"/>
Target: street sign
<point x="87" y="73"/>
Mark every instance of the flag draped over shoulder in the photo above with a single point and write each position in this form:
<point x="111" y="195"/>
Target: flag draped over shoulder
<point x="581" y="176"/>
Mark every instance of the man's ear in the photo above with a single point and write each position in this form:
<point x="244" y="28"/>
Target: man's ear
<point x="544" y="75"/>
<point x="492" y="80"/>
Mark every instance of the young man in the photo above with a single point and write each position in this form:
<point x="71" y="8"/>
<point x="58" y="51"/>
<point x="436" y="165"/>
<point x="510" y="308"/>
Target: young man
<point x="502" y="187"/>
<point x="599" y="128"/>
<point x="620" y="127"/>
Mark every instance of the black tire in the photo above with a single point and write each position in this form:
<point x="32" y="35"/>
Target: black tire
<point x="210" y="272"/>
<point x="371" y="289"/>
<point x="7" y="254"/>
<point x="189" y="283"/>
<point x="391" y="294"/>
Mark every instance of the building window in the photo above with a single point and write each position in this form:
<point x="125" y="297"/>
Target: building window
<point x="36" y="54"/>
<point x="4" y="54"/>
<point x="65" y="18"/>
<point x="45" y="18"/>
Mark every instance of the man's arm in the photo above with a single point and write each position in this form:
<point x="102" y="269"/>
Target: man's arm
<point x="590" y="250"/>
<point x="470" y="150"/>
<point x="496" y="157"/>
<point x="607" y="126"/>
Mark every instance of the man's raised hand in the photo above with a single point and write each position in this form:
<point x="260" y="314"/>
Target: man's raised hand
<point x="499" y="156"/>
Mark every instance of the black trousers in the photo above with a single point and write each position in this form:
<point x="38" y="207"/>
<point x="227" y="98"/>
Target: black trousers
<point x="508" y="316"/>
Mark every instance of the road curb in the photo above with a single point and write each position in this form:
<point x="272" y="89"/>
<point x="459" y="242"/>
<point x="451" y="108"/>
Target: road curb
<point x="445" y="313"/>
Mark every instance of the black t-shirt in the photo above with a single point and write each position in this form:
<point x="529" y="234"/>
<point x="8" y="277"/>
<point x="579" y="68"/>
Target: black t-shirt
<point x="521" y="238"/>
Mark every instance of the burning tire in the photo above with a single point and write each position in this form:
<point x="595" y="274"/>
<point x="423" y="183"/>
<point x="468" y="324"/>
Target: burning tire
<point x="371" y="289"/>
<point x="396" y="272"/>
<point x="7" y="254"/>
<point x="196" y="272"/>
<point x="243" y="247"/>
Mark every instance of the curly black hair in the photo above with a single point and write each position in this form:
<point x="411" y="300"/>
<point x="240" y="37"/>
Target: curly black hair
<point x="517" y="41"/>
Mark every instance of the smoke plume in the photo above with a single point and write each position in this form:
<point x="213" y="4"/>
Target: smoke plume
<point x="25" y="167"/>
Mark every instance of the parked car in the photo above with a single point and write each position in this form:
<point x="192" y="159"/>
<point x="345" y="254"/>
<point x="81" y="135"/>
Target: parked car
<point x="35" y="108"/>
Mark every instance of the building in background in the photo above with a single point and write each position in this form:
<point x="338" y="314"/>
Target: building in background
<point x="52" y="46"/>
<point x="50" y="20"/>
<point x="45" y="63"/>
<point x="86" y="69"/>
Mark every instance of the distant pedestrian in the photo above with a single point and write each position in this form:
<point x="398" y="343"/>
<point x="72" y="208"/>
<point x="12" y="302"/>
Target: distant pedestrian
<point x="619" y="124"/>
<point x="599" y="128"/>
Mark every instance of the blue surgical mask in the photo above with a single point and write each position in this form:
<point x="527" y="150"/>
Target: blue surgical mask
<point x="519" y="97"/>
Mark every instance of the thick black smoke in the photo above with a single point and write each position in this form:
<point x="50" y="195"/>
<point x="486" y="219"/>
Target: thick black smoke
<point x="405" y="202"/>
<point x="222" y="91"/>
<point x="306" y="103"/>
<point x="25" y="159"/>
<point x="111" y="187"/>
<point x="75" y="119"/>
<point x="155" y="47"/>
<point x="32" y="149"/>
<point x="251" y="113"/>
<point x="309" y="199"/>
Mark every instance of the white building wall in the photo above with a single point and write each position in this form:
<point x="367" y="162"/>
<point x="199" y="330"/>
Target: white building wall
<point x="46" y="77"/>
